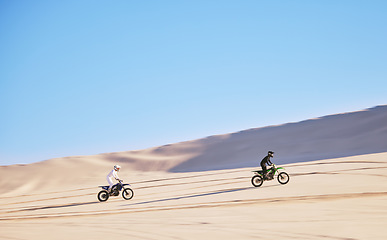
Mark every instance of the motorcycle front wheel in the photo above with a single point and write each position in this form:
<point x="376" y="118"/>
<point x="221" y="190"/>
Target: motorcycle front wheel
<point x="283" y="178"/>
<point x="127" y="193"/>
<point x="103" y="196"/>
<point x="257" y="181"/>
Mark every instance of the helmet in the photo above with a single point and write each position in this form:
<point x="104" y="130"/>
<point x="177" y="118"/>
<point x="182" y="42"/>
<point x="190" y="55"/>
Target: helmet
<point x="270" y="153"/>
<point x="117" y="167"/>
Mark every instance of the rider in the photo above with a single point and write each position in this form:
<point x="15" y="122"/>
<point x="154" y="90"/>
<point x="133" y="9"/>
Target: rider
<point x="113" y="175"/>
<point x="266" y="160"/>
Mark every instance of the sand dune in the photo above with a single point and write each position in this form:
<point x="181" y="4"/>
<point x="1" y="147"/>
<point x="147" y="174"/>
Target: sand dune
<point x="342" y="198"/>
<point x="333" y="136"/>
<point x="338" y="187"/>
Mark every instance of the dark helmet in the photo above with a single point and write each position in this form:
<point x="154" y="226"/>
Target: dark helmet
<point x="270" y="153"/>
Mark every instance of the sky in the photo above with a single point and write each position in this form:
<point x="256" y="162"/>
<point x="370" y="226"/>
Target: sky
<point x="83" y="77"/>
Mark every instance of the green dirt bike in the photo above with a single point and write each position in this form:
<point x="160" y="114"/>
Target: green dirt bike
<point x="282" y="177"/>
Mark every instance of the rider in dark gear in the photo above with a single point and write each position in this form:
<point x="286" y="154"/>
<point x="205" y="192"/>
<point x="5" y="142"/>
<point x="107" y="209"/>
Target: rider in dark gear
<point x="266" y="160"/>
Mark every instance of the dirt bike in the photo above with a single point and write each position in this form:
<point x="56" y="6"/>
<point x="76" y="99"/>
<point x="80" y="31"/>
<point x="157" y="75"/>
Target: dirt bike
<point x="258" y="179"/>
<point x="104" y="194"/>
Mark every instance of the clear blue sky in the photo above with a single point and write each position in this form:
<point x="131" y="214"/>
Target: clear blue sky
<point x="80" y="77"/>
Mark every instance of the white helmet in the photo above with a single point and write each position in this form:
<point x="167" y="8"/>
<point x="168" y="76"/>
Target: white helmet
<point x="117" y="167"/>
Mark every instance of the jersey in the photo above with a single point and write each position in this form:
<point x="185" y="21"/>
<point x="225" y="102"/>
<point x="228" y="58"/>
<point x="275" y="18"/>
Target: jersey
<point x="266" y="160"/>
<point x="113" y="174"/>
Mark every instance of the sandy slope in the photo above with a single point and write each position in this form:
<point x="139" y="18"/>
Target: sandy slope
<point x="201" y="189"/>
<point x="342" y="198"/>
<point x="333" y="136"/>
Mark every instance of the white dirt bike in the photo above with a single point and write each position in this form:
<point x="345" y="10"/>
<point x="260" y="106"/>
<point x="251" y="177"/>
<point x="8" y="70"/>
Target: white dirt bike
<point x="104" y="194"/>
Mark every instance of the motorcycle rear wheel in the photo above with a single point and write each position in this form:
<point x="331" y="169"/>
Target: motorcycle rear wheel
<point x="103" y="196"/>
<point x="257" y="181"/>
<point x="127" y="193"/>
<point x="283" y="178"/>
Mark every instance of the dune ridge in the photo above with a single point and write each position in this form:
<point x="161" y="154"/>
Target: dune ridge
<point x="342" y="196"/>
<point x="333" y="136"/>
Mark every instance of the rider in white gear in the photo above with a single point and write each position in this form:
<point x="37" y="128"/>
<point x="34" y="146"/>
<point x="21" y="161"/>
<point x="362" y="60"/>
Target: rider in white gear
<point x="113" y="175"/>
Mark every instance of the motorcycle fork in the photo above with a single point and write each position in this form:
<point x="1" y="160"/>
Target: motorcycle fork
<point x="274" y="172"/>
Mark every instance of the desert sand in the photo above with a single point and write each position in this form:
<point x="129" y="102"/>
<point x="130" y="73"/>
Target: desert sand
<point x="201" y="189"/>
<point x="342" y="198"/>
